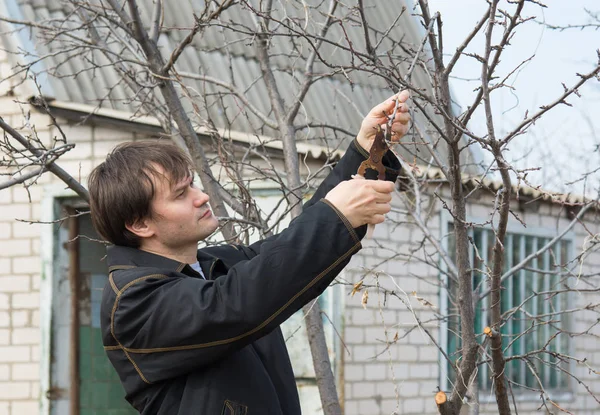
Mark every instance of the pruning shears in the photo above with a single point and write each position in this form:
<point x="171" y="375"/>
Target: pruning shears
<point x="374" y="164"/>
<point x="375" y="160"/>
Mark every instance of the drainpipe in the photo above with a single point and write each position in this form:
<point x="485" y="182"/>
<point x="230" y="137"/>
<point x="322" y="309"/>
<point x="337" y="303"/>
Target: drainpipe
<point x="73" y="246"/>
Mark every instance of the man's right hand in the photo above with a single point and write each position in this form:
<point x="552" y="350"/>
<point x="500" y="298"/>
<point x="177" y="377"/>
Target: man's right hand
<point x="362" y="201"/>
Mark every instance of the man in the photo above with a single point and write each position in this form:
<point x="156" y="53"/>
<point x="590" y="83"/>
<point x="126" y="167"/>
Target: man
<point x="197" y="331"/>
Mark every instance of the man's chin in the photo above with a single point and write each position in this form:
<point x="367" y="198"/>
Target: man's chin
<point x="209" y="228"/>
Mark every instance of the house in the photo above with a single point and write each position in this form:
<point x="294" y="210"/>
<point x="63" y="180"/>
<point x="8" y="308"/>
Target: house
<point x="384" y="363"/>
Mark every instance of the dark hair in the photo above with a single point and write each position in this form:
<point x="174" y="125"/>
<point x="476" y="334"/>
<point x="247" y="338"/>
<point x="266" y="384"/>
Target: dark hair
<point x="121" y="188"/>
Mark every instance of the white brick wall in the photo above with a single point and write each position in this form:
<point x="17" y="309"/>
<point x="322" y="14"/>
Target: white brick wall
<point x="20" y="262"/>
<point x="414" y="360"/>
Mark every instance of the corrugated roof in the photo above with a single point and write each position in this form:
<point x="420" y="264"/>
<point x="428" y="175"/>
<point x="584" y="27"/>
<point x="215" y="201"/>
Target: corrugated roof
<point x="519" y="190"/>
<point x="342" y="99"/>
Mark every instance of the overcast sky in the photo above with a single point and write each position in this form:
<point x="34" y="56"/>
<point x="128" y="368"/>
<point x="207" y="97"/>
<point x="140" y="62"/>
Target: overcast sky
<point x="563" y="143"/>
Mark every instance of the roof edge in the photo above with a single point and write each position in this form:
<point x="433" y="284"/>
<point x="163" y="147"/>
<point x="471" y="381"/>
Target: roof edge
<point x="312" y="150"/>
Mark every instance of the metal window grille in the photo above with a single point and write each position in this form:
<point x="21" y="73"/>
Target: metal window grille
<point x="532" y="329"/>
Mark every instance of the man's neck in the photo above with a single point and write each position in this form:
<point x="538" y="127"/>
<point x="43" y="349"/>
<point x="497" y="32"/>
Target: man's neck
<point x="184" y="255"/>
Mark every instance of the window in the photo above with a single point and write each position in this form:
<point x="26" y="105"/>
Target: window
<point x="530" y="309"/>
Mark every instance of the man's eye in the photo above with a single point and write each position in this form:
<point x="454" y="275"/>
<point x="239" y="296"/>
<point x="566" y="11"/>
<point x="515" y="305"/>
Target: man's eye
<point x="192" y="183"/>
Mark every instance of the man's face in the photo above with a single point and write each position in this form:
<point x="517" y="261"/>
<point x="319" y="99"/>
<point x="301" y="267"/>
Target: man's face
<point x="181" y="215"/>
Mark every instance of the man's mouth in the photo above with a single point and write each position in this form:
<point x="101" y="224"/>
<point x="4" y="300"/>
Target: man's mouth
<point x="205" y="214"/>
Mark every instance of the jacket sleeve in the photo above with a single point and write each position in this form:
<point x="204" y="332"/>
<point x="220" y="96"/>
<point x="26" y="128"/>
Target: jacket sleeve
<point x="343" y="170"/>
<point x="171" y="324"/>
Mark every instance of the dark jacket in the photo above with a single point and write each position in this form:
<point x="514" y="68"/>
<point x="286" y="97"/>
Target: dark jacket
<point x="185" y="345"/>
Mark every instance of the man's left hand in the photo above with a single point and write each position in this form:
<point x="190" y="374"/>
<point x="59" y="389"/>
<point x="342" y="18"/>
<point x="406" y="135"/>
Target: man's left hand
<point x="379" y="116"/>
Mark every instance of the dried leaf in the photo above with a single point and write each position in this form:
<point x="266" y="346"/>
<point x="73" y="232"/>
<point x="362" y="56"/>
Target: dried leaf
<point x="357" y="287"/>
<point x="396" y="337"/>
<point x="423" y="301"/>
<point x="365" y="299"/>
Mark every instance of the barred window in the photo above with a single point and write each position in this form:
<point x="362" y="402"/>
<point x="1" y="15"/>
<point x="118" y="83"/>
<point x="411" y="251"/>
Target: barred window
<point x="531" y="302"/>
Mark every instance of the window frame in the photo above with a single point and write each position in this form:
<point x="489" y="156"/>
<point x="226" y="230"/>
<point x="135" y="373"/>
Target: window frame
<point x="513" y="227"/>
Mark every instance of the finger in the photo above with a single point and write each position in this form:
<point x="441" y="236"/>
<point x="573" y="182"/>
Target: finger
<point x="399" y="132"/>
<point x="383" y="197"/>
<point x="375" y="219"/>
<point x="386" y="107"/>
<point x="404" y="95"/>
<point x="382" y="208"/>
<point x="381" y="186"/>
<point x="402" y="118"/>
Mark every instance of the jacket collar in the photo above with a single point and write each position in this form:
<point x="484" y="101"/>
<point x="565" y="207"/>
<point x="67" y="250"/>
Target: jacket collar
<point x="123" y="257"/>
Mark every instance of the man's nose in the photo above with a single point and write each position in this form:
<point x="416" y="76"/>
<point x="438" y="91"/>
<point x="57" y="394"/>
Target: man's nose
<point x="200" y="198"/>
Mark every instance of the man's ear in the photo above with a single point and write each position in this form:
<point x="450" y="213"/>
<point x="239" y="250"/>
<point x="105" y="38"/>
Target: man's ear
<point x="142" y="228"/>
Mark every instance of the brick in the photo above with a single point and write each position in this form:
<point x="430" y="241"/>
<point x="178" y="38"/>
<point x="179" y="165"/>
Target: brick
<point x="14" y="354"/>
<point x="363" y="390"/>
<point x="401" y="371"/>
<point x="414" y="405"/>
<point x="4" y="319"/>
<point x="5" y="232"/>
<point x="16" y="211"/>
<point x="354" y="372"/>
<point x="81" y="151"/>
<point x="5" y="197"/>
<point x="31" y="300"/>
<point x="26" y="230"/>
<point x="102" y="147"/>
<point x="368" y="407"/>
<point x="4" y="301"/>
<point x="363" y="353"/>
<point x="386" y="389"/>
<point x="15" y="247"/>
<point x="15" y="284"/>
<point x="26" y="371"/>
<point x="102" y="134"/>
<point x="418" y="371"/>
<point x="36" y="353"/>
<point x="408" y="353"/>
<point x="5" y="266"/>
<point x="27" y="195"/>
<point x="35" y="243"/>
<point x="350" y="408"/>
<point x="409" y="389"/>
<point x="354" y="335"/>
<point x="77" y="133"/>
<point x="4" y="372"/>
<point x="391" y="406"/>
<point x="15" y="390"/>
<point x="20" y="318"/>
<point x="26" y="265"/>
<point x="361" y="317"/>
<point x="26" y="336"/>
<point x="376" y="334"/>
<point x="36" y="391"/>
<point x="4" y="337"/>
<point x="36" y="280"/>
<point x="428" y="354"/>
<point x="21" y="408"/>
<point x="77" y="168"/>
<point x="35" y="318"/>
<point x="375" y="371"/>
<point x="5" y="408"/>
